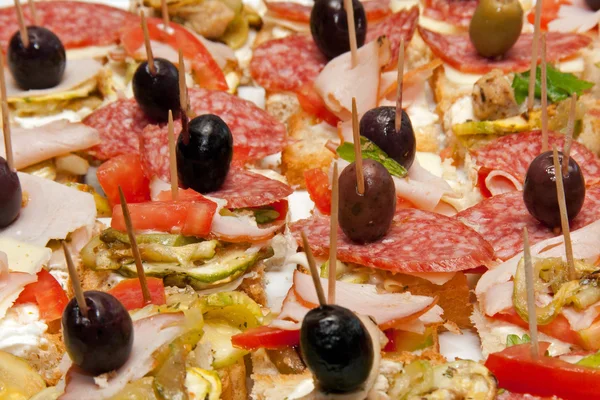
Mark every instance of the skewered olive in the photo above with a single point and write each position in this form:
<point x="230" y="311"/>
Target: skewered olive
<point x="379" y="126"/>
<point x="102" y="341"/>
<point x="157" y="93"/>
<point x="41" y="65"/>
<point x="10" y="194"/>
<point x="337" y="348"/>
<point x="366" y="217"/>
<point x="496" y="26"/>
<point x="204" y="153"/>
<point x="539" y="190"/>
<point x="593" y="4"/>
<point x="329" y="26"/>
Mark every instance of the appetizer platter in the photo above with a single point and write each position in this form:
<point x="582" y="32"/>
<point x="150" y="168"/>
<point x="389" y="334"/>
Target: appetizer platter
<point x="329" y="199"/>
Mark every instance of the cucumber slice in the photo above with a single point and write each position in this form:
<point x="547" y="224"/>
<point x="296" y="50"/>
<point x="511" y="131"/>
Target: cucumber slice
<point x="17" y="379"/>
<point x="203" y="384"/>
<point x="217" y="337"/>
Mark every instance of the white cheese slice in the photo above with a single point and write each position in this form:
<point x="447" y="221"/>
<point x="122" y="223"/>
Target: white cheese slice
<point x="574" y="65"/>
<point x="437" y="26"/>
<point x="24" y="257"/>
<point x="460" y="78"/>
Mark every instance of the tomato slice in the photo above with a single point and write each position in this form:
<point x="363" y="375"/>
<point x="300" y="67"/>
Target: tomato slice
<point x="129" y="292"/>
<point x="482" y="175"/>
<point x="125" y="171"/>
<point x="266" y="337"/>
<point x="281" y="207"/>
<point x="191" y="218"/>
<point x="313" y="104"/>
<point x="47" y="293"/>
<point x="518" y="372"/>
<point x="206" y="71"/>
<point x="317" y="185"/>
<point x="549" y="12"/>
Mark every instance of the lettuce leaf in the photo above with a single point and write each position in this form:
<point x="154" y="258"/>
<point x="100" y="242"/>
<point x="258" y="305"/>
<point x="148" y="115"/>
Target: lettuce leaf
<point x="372" y="152"/>
<point x="560" y="85"/>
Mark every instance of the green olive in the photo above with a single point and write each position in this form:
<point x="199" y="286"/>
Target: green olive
<point x="496" y="26"/>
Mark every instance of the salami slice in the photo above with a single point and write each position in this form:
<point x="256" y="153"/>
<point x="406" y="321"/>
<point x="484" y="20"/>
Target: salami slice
<point x="398" y="26"/>
<point x="255" y="133"/>
<point x="455" y="12"/>
<point x="291" y="11"/>
<point x="501" y="219"/>
<point x="120" y="124"/>
<point x="458" y="51"/>
<point x="77" y="24"/>
<point x="512" y="154"/>
<point x="286" y="64"/>
<point x="418" y="241"/>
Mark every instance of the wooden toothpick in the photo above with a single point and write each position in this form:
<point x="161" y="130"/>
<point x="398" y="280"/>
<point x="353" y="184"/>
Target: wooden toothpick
<point x="75" y="281"/>
<point x="351" y="32"/>
<point x="569" y="135"/>
<point x="531" y="307"/>
<point x="149" y="54"/>
<point x="134" y="249"/>
<point x="360" y="180"/>
<point x="544" y="97"/>
<point x="173" y="160"/>
<point x="165" y="13"/>
<point x="333" y="228"/>
<point x="564" y="219"/>
<point x="5" y="117"/>
<point x="34" y="17"/>
<point x="400" y="78"/>
<point x="22" y="25"/>
<point x="183" y="99"/>
<point x="314" y="273"/>
<point x="534" y="54"/>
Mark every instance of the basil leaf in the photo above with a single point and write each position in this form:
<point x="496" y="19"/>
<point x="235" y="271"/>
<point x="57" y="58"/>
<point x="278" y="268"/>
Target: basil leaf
<point x="560" y="85"/>
<point x="512" y="340"/>
<point x="591" y="361"/>
<point x="372" y="152"/>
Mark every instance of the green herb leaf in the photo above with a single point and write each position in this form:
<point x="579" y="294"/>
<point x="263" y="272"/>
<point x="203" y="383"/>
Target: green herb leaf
<point x="372" y="152"/>
<point x="265" y="215"/>
<point x="512" y="340"/>
<point x="560" y="85"/>
<point x="591" y="361"/>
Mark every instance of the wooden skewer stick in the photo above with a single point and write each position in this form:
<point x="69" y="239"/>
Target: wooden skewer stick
<point x="400" y="78"/>
<point x="534" y="54"/>
<point x="351" y="32"/>
<point x="34" y="17"/>
<point x="182" y="86"/>
<point x="165" y="13"/>
<point x="531" y="308"/>
<point x="564" y="220"/>
<point x="569" y="136"/>
<point x="22" y="25"/>
<point x="173" y="160"/>
<point x="333" y="228"/>
<point x="149" y="54"/>
<point x="313" y="270"/>
<point x="360" y="179"/>
<point x="5" y="117"/>
<point x="134" y="249"/>
<point x="544" y="97"/>
<point x="75" y="281"/>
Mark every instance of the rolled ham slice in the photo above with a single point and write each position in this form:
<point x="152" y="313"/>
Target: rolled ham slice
<point x="150" y="334"/>
<point x="338" y="82"/>
<point x="31" y="146"/>
<point x="11" y="284"/>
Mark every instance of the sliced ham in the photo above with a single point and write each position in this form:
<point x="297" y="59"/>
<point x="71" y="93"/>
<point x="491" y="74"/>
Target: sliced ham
<point x="77" y="72"/>
<point x="413" y="83"/>
<point x="575" y="17"/>
<point x="52" y="211"/>
<point x="150" y="334"/>
<point x="31" y="146"/>
<point x="11" y="284"/>
<point x="338" y="82"/>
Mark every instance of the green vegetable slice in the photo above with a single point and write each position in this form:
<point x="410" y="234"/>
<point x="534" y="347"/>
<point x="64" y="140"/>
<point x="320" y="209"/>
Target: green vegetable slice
<point x="512" y="340"/>
<point x="372" y="152"/>
<point x="560" y="85"/>
<point x="591" y="361"/>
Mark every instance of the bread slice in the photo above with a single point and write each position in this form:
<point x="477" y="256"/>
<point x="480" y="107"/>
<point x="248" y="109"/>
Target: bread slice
<point x="46" y="358"/>
<point x="233" y="381"/>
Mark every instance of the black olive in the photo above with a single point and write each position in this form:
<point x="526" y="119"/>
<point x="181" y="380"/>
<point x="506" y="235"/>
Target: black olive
<point x="593" y="4"/>
<point x="367" y="217"/>
<point x="102" y="341"/>
<point x="157" y="94"/>
<point x="329" y="26"/>
<point x="41" y="65"/>
<point x="539" y="190"/>
<point x="337" y="348"/>
<point x="10" y="194"/>
<point x="204" y="153"/>
<point x="379" y="126"/>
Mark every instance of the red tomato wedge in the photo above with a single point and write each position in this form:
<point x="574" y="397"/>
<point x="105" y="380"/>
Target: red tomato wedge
<point x="518" y="372"/>
<point x="125" y="171"/>
<point x="205" y="69"/>
<point x="129" y="292"/>
<point x="482" y="175"/>
<point x="182" y="195"/>
<point x="47" y="294"/>
<point x="190" y="218"/>
<point x="549" y="12"/>
<point x="266" y="337"/>
<point x="317" y="185"/>
<point x="313" y="104"/>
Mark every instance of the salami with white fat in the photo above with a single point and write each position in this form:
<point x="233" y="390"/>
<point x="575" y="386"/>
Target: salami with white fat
<point x="418" y="241"/>
<point x="296" y="12"/>
<point x="455" y="12"/>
